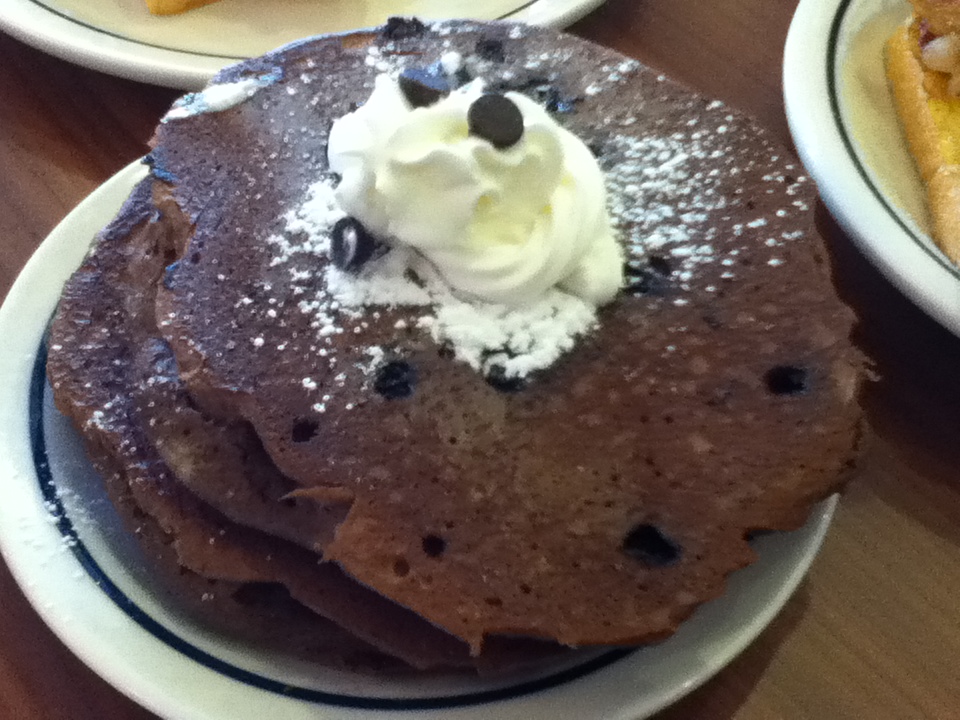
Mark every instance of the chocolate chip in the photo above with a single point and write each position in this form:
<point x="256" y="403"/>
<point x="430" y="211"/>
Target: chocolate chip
<point x="712" y="321"/>
<point x="303" y="430"/>
<point x="395" y="380"/>
<point x="497" y="378"/>
<point x="496" y="119"/>
<point x="643" y="281"/>
<point x="350" y="244"/>
<point x="648" y="544"/>
<point x="660" y="264"/>
<point x="554" y="101"/>
<point x="462" y="76"/>
<point x="649" y="279"/>
<point x="434" y="545"/>
<point x="490" y="49"/>
<point x="533" y="85"/>
<point x="403" y="28"/>
<point x="422" y="88"/>
<point x="786" y="380"/>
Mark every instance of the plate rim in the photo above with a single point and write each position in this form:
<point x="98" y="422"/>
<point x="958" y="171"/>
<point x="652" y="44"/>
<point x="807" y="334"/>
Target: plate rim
<point x="55" y="33"/>
<point x="38" y="287"/>
<point x="828" y="151"/>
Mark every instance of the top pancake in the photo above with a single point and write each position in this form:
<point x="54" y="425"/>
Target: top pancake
<point x="603" y="499"/>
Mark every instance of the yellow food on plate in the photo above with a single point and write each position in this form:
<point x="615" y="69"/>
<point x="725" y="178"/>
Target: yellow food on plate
<point x="923" y="67"/>
<point x="172" y="7"/>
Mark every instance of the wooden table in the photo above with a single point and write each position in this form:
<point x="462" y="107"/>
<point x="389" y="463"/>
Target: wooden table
<point x="874" y="632"/>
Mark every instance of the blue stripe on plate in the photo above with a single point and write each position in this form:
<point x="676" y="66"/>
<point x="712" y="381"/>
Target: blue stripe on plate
<point x="48" y="488"/>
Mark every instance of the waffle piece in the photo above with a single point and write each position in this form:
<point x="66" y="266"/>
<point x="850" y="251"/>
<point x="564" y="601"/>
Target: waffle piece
<point x="599" y="501"/>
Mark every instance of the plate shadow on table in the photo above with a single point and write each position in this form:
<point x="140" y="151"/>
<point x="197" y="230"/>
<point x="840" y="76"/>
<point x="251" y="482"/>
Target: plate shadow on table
<point x="913" y="407"/>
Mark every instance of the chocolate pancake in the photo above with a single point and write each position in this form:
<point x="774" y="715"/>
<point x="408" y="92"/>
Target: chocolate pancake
<point x="113" y="376"/>
<point x="597" y="501"/>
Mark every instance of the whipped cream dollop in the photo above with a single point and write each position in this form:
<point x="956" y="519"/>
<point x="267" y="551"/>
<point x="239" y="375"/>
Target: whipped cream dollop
<point x="501" y="225"/>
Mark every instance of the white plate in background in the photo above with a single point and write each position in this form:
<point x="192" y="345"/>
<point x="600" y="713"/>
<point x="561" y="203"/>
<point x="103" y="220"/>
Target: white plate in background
<point x="847" y="133"/>
<point x="184" y="51"/>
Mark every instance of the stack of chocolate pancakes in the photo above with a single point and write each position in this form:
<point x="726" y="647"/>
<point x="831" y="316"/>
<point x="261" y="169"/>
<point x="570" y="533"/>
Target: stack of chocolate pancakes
<point x="337" y="478"/>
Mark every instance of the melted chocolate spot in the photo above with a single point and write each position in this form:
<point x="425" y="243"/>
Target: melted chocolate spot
<point x="462" y="76"/>
<point x="490" y="49"/>
<point x="396" y="380"/>
<point x="403" y="28"/>
<point x="660" y="264"/>
<point x="434" y="545"/>
<point x="401" y="568"/>
<point x="530" y="85"/>
<point x="497" y="378"/>
<point x="786" y="380"/>
<point x="648" y="544"/>
<point x="304" y="429"/>
<point x="712" y="321"/>
<point x="643" y="281"/>
<point x="421" y="87"/>
<point x="555" y="102"/>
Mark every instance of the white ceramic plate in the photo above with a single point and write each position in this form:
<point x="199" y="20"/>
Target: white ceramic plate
<point x="184" y="51"/>
<point x="846" y="130"/>
<point x="84" y="575"/>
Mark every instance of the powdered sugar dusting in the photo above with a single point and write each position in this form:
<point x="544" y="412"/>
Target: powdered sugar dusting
<point x="516" y="340"/>
<point x="663" y="205"/>
<point x="674" y="192"/>
<point x="217" y="97"/>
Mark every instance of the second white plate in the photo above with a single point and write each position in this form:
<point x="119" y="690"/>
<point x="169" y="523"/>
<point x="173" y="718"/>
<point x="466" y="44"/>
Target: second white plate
<point x="184" y="51"/>
<point x="847" y="133"/>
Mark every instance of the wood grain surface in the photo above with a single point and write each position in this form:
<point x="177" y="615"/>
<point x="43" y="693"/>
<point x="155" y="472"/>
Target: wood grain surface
<point x="873" y="632"/>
